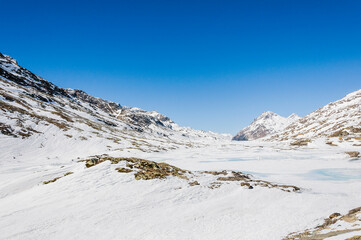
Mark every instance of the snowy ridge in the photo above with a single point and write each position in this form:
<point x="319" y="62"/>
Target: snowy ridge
<point x="267" y="123"/>
<point x="33" y="108"/>
<point x="341" y="118"/>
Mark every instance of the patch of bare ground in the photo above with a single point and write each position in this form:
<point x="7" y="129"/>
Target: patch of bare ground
<point x="340" y="133"/>
<point x="124" y="170"/>
<point x="301" y="142"/>
<point x="24" y="132"/>
<point x="214" y="185"/>
<point x="7" y="130"/>
<point x="224" y="172"/>
<point x="320" y="232"/>
<point x="354" y="238"/>
<point x="355" y="129"/>
<point x="147" y="170"/>
<point x="353" y="154"/>
<point x="331" y="143"/>
<point x="144" y="169"/>
<point x="57" y="178"/>
<point x="12" y="98"/>
<point x="247" y="181"/>
<point x="10" y="108"/>
<point x="61" y="114"/>
<point x="194" y="183"/>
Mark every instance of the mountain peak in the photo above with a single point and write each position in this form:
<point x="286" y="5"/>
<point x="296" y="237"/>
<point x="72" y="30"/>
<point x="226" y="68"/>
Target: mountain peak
<point x="268" y="113"/>
<point x="265" y="124"/>
<point x="8" y="58"/>
<point x="294" y="116"/>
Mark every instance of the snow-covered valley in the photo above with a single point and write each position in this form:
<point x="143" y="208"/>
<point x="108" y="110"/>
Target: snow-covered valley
<point x="101" y="203"/>
<point x="73" y="166"/>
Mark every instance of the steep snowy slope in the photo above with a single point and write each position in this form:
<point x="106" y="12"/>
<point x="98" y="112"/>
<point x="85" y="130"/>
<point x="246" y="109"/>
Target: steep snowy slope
<point x="337" y="119"/>
<point x="32" y="107"/>
<point x="267" y="123"/>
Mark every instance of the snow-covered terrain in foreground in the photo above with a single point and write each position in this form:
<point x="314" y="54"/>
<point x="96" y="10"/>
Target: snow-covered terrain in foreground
<point x="101" y="203"/>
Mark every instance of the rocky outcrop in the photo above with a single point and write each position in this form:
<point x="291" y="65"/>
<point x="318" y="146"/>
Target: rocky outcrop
<point x="148" y="170"/>
<point x="353" y="154"/>
<point x="300" y="142"/>
<point x="106" y="106"/>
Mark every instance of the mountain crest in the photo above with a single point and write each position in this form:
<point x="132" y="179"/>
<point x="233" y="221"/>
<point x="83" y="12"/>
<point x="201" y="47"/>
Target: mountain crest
<point x="337" y="119"/>
<point x="265" y="124"/>
<point x="31" y="105"/>
<point x="294" y="116"/>
<point x="8" y="58"/>
<point x="266" y="115"/>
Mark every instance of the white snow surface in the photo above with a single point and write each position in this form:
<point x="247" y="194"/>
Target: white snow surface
<point x="100" y="203"/>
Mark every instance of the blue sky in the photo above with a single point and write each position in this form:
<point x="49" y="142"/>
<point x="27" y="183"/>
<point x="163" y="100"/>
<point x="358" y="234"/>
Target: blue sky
<point x="211" y="65"/>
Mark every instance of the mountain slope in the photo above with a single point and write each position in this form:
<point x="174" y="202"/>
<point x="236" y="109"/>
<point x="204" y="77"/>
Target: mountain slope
<point x="267" y="123"/>
<point x="33" y="108"/>
<point x="341" y="118"/>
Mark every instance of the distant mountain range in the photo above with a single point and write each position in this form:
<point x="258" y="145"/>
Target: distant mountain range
<point x="34" y="107"/>
<point x="341" y="118"/>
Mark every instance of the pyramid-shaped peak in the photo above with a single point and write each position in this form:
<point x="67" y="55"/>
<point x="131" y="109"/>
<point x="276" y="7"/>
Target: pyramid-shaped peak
<point x="293" y="116"/>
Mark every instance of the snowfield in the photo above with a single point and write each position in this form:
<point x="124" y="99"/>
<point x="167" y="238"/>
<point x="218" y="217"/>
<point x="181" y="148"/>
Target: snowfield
<point x="100" y="203"/>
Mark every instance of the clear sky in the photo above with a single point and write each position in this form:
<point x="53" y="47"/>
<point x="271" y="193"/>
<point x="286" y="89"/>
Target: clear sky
<point x="211" y="65"/>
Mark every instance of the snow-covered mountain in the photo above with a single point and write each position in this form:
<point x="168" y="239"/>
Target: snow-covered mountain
<point x="32" y="107"/>
<point x="267" y="123"/>
<point x="341" y="118"/>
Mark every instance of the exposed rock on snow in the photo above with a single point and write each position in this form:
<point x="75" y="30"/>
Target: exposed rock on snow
<point x="106" y="106"/>
<point x="353" y="154"/>
<point x="267" y="123"/>
<point x="335" y="225"/>
<point x="57" y="178"/>
<point x="148" y="170"/>
<point x="301" y="142"/>
<point x="145" y="169"/>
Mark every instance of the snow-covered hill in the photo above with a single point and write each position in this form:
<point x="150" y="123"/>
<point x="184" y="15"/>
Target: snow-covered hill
<point x="339" y="119"/>
<point x="267" y="123"/>
<point x="34" y="108"/>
